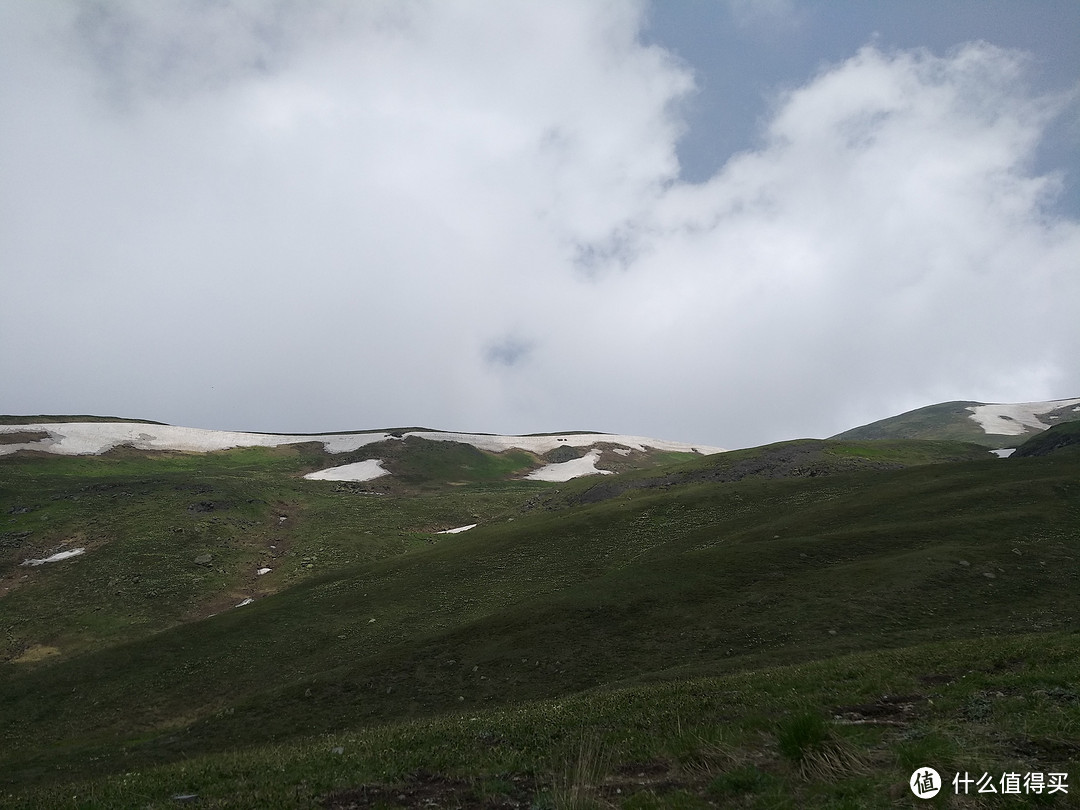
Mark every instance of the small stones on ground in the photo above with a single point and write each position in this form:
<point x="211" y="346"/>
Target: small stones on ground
<point x="989" y="575"/>
<point x="203" y="559"/>
<point x="337" y="749"/>
<point x="965" y="563"/>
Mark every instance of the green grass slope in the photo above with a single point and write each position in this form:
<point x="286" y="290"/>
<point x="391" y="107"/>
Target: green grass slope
<point x="944" y="421"/>
<point x="173" y="537"/>
<point x="845" y="732"/>
<point x="801" y="458"/>
<point x="547" y="603"/>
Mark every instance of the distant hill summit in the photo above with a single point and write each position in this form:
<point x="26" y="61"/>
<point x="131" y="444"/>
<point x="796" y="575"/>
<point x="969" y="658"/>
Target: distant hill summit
<point x="994" y="425"/>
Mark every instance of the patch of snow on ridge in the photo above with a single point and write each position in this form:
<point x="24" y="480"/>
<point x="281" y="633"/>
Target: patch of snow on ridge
<point x="359" y="471"/>
<point x="60" y="555"/>
<point x="545" y="444"/>
<point x="1005" y="453"/>
<point x="1015" y="419"/>
<point x="458" y="529"/>
<point x="575" y="468"/>
<point x="94" y="438"/>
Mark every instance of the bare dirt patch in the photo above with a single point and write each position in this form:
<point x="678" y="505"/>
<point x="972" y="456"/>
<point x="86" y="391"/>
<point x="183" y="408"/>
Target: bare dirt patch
<point x="35" y="653"/>
<point x="890" y="710"/>
<point x="424" y="789"/>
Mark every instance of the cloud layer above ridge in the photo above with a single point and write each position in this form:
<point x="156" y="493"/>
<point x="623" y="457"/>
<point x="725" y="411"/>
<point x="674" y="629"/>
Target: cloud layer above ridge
<point x="300" y="217"/>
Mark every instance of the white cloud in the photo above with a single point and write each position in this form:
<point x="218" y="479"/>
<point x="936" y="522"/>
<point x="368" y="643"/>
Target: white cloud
<point x="297" y="216"/>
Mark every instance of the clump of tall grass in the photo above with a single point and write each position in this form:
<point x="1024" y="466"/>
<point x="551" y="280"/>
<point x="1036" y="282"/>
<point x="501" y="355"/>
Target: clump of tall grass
<point x="808" y="741"/>
<point x="577" y="787"/>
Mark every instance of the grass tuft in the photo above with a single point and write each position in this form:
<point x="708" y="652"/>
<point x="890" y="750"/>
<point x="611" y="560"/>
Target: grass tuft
<point x="577" y="787"/>
<point x="809" y="742"/>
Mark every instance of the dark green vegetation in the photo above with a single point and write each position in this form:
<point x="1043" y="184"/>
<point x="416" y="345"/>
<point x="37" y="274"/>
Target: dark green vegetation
<point x="800" y="625"/>
<point x="1063" y="438"/>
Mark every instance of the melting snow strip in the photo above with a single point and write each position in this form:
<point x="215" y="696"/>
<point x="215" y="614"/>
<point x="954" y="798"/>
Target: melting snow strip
<point x="359" y="471"/>
<point x="61" y="555"/>
<point x="458" y="529"/>
<point x="575" y="468"/>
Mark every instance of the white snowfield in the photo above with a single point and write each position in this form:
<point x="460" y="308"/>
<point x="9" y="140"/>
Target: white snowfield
<point x="93" y="438"/>
<point x="360" y="471"/>
<point x="545" y="444"/>
<point x="1018" y="418"/>
<point x="575" y="468"/>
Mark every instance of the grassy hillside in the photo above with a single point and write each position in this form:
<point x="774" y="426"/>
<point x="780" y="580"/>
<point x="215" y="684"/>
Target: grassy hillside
<point x="149" y="521"/>
<point x="745" y="567"/>
<point x="841" y="732"/>
<point x="944" y="421"/>
<point x="802" y="458"/>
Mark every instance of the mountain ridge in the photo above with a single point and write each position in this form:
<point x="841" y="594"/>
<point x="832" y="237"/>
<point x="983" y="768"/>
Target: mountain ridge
<point x="995" y="425"/>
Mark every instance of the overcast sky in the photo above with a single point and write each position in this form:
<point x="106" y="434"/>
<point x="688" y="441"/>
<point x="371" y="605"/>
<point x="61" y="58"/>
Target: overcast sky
<point x="719" y="222"/>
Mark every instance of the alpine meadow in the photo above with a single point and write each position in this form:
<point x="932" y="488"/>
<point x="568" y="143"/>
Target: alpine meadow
<point x="802" y="624"/>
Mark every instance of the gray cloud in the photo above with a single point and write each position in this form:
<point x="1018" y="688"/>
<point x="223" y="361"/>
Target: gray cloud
<point x="317" y="216"/>
<point x="508" y="352"/>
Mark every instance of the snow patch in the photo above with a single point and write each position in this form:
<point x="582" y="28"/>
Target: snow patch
<point x="247" y="601"/>
<point x="1005" y="453"/>
<point x="1016" y="419"/>
<point x="262" y="571"/>
<point x="545" y="444"/>
<point x="458" y="529"/>
<point x="60" y="555"/>
<point x="359" y="471"/>
<point x="575" y="468"/>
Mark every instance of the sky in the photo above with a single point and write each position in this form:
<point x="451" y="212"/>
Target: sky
<point x="728" y="222"/>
